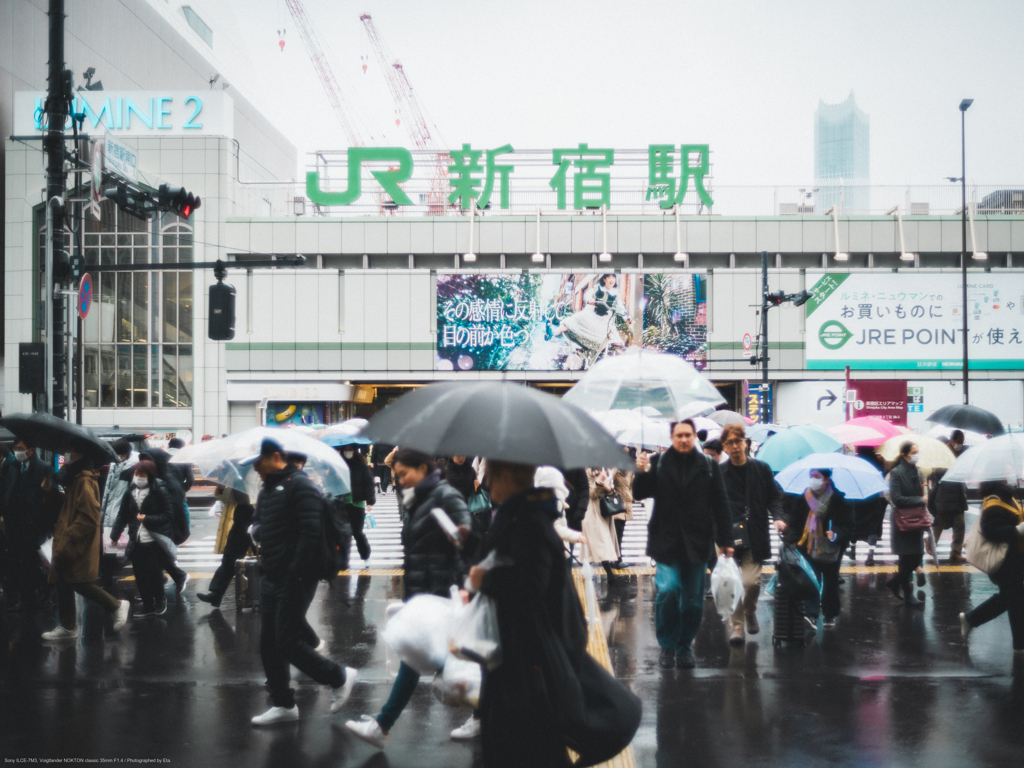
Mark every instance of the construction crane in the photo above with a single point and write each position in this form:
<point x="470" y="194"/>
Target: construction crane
<point x="407" y="104"/>
<point x="311" y="40"/>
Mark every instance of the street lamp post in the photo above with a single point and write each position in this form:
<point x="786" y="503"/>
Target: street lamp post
<point x="964" y="105"/>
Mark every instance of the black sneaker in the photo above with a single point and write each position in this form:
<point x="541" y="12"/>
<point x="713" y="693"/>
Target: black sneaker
<point x="210" y="598"/>
<point x="667" y="659"/>
<point x="685" y="660"/>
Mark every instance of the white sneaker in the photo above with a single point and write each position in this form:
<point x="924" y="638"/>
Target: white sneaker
<point x="60" y="633"/>
<point x="322" y="647"/>
<point x="469" y="730"/>
<point x="339" y="696"/>
<point x="121" y="617"/>
<point x="368" y="729"/>
<point x="277" y="715"/>
<point x="965" y="627"/>
<point x="179" y="588"/>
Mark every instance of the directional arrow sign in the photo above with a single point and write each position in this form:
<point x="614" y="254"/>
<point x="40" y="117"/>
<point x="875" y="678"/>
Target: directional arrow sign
<point x="830" y="398"/>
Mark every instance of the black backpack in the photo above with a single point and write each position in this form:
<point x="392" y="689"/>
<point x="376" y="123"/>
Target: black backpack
<point x="337" y="537"/>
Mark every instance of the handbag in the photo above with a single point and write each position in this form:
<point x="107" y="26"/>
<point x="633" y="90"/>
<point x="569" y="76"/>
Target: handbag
<point x="987" y="556"/>
<point x="908" y="519"/>
<point x="611" y="505"/>
<point x="479" y="501"/>
<point x="741" y="532"/>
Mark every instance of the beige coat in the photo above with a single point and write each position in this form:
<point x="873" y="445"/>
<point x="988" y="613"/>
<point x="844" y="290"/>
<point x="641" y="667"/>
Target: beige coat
<point x="600" y="531"/>
<point x="226" y="497"/>
<point x="76" y="535"/>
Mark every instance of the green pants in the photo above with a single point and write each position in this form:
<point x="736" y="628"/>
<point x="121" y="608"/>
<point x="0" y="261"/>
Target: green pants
<point x="90" y="591"/>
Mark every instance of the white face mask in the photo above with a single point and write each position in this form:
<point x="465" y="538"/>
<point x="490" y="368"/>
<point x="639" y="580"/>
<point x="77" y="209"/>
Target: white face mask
<point x="348" y="454"/>
<point x="913" y="459"/>
<point x="140" y="482"/>
<point x="173" y="451"/>
<point x="21" y="455"/>
<point x="816" y="484"/>
<point x="408" y="496"/>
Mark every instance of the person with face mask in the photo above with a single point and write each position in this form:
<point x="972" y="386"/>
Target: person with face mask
<point x="147" y="512"/>
<point x="433" y="564"/>
<point x="820" y="525"/>
<point x="906" y="490"/>
<point x="119" y="482"/>
<point x="25" y="527"/>
<point x="1002" y="522"/>
<point x="361" y="499"/>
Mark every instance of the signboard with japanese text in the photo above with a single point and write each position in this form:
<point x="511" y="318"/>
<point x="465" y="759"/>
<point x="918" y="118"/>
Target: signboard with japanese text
<point x="566" y="321"/>
<point x="121" y="159"/>
<point x="757" y="402"/>
<point x="885" y="400"/>
<point x="914" y="321"/>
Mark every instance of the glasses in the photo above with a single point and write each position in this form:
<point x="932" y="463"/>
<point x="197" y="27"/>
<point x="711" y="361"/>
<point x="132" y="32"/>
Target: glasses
<point x="735" y="441"/>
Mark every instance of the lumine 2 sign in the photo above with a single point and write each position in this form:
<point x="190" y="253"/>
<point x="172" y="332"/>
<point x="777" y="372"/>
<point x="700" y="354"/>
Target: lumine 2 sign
<point x="670" y="171"/>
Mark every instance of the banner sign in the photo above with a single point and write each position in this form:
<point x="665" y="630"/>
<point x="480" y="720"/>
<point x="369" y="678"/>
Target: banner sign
<point x="481" y="177"/>
<point x="757" y="402"/>
<point x="566" y="321"/>
<point x="882" y="399"/>
<point x="914" y="321"/>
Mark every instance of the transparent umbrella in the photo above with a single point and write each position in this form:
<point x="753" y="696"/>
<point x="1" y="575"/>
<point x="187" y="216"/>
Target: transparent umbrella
<point x="722" y="418"/>
<point x="222" y="460"/>
<point x="667" y="383"/>
<point x="1001" y="458"/>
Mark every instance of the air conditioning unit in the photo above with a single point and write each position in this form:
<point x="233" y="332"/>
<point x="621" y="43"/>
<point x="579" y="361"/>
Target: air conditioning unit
<point x="788" y="209"/>
<point x="919" y="209"/>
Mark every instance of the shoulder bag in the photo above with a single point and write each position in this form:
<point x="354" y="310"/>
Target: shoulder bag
<point x="908" y="519"/>
<point x="611" y="505"/>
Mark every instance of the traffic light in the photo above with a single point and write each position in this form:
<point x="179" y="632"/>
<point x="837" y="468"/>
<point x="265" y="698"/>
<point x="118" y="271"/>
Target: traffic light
<point x="775" y="299"/>
<point x="177" y="200"/>
<point x="222" y="312"/>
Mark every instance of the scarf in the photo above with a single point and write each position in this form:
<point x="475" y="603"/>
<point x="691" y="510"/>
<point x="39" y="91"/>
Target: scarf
<point x="814" y="529"/>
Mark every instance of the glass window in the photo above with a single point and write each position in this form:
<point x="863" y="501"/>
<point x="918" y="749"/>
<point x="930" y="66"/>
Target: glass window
<point x="91" y="376"/>
<point x="124" y="306"/>
<point x="154" y="397"/>
<point x="124" y="376"/>
<point x="185" y="377"/>
<point x="170" y="379"/>
<point x="170" y="306"/>
<point x="108" y="371"/>
<point x="140" y="310"/>
<point x="140" y="390"/>
<point x="184" y="307"/>
<point x="107" y="308"/>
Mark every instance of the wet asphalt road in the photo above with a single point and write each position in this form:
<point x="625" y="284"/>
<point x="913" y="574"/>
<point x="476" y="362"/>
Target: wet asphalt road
<point x="889" y="687"/>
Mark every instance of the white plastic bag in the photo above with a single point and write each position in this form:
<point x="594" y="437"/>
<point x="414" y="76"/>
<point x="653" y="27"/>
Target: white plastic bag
<point x="458" y="684"/>
<point x="726" y="586"/>
<point x="475" y="633"/>
<point x="216" y="509"/>
<point x="45" y="553"/>
<point x="419" y="632"/>
<point x="118" y="548"/>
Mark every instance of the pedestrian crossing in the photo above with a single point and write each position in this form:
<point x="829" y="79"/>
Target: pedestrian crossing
<point x="383" y="530"/>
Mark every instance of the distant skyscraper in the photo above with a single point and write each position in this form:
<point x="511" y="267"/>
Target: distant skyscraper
<point x="841" y="160"/>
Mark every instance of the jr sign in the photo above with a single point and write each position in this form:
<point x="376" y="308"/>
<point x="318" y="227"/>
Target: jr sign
<point x="913" y="321"/>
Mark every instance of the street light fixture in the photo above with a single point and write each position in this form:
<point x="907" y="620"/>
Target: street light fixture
<point x="840" y="255"/>
<point x="964" y="106"/>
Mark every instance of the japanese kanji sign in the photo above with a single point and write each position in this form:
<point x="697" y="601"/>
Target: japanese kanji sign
<point x="580" y="174"/>
<point x="914" y="321"/>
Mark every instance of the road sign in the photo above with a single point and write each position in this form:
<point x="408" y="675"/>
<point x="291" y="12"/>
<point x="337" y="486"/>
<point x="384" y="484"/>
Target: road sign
<point x="747" y="344"/>
<point x="84" y="296"/>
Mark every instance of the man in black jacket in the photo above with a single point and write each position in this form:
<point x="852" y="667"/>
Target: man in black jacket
<point x="690" y="516"/>
<point x="293" y="552"/>
<point x="24" y="524"/>
<point x="753" y="498"/>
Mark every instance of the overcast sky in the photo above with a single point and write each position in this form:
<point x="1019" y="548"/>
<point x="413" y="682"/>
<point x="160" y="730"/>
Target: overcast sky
<point x="744" y="77"/>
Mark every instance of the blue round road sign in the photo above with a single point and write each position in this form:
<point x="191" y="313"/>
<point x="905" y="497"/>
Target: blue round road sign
<point x="84" y="295"/>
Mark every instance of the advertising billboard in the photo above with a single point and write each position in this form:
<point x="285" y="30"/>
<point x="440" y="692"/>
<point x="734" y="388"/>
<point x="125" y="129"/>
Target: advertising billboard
<point x="905" y="320"/>
<point x="566" y="321"/>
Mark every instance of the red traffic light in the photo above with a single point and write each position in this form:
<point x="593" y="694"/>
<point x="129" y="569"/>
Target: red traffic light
<point x="177" y="200"/>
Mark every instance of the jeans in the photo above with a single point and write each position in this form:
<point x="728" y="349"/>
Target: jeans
<point x="828" y="604"/>
<point x="283" y="640"/>
<point x="147" y="563"/>
<point x="88" y="590"/>
<point x="679" y="605"/>
<point x="750" y="570"/>
<point x="237" y="544"/>
<point x="357" y="518"/>
<point x="1010" y="599"/>
<point x="403" y="689"/>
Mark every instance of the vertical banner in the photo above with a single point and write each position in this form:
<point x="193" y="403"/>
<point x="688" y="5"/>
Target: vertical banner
<point x="757" y="405"/>
<point x="97" y="177"/>
<point x="881" y="399"/>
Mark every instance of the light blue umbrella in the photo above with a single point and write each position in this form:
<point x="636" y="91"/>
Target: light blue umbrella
<point x="785" y="448"/>
<point x="760" y="433"/>
<point x="855" y="477"/>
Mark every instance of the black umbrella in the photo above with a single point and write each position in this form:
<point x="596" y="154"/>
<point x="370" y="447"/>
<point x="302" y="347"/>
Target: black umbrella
<point x="46" y="431"/>
<point x="969" y="417"/>
<point x="497" y="420"/>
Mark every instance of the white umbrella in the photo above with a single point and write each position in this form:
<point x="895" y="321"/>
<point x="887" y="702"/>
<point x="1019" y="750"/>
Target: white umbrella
<point x="1001" y="458"/>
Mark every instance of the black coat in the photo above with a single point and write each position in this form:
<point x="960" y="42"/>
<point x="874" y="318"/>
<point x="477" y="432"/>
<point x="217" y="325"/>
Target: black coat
<point x="868" y="516"/>
<point x="157" y="507"/>
<point x="24" y="519"/>
<point x="949" y="498"/>
<point x="691" y="510"/>
<point x="548" y="692"/>
<point x="905" y="484"/>
<point x="840" y="515"/>
<point x="764" y="500"/>
<point x="363" y="485"/>
<point x="184" y="474"/>
<point x="432" y="562"/>
<point x="579" y="497"/>
<point x="461" y="477"/>
<point x="290" y="510"/>
<point x="170" y="477"/>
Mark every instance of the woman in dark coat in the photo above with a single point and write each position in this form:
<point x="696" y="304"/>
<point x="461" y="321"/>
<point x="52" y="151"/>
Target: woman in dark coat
<point x="148" y="513"/>
<point x="1002" y="522"/>
<point x="906" y="490"/>
<point x="461" y="476"/>
<point x="822" y="536"/>
<point x="433" y="564"/>
<point x="362" y="498"/>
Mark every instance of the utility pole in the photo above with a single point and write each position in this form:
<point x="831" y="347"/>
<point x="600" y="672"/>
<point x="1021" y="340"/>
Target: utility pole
<point x="766" y="414"/>
<point x="56" y="109"/>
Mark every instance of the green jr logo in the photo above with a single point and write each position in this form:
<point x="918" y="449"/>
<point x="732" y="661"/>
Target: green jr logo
<point x="833" y="334"/>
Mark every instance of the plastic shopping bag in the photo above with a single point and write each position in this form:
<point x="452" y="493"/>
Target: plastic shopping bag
<point x="458" y="684"/>
<point x="475" y="633"/>
<point x="45" y="553"/>
<point x="726" y="586"/>
<point x="419" y="632"/>
<point x="119" y="548"/>
<point x="773" y="582"/>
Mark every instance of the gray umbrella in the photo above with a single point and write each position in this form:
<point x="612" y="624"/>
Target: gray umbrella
<point x="497" y="420"/>
<point x="969" y="417"/>
<point x="46" y="431"/>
